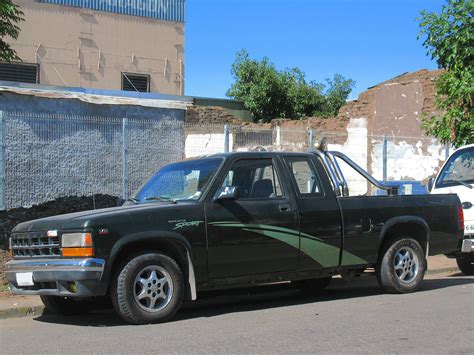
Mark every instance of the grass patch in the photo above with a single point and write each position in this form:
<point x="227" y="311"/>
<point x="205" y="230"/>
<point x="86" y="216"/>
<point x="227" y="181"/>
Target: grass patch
<point x="4" y="289"/>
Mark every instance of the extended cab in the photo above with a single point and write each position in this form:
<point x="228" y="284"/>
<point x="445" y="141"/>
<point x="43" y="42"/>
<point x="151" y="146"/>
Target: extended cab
<point x="225" y="221"/>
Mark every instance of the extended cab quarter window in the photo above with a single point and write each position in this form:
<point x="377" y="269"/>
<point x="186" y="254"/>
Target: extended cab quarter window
<point x="305" y="176"/>
<point x="255" y="178"/>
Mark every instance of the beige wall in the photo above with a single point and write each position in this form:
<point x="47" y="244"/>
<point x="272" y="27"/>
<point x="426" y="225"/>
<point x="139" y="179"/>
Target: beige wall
<point x="81" y="47"/>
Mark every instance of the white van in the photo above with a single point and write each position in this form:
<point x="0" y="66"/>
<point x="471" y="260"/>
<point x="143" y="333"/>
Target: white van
<point x="457" y="176"/>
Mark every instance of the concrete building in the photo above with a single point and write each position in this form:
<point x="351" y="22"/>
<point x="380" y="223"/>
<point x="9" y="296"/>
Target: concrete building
<point x="101" y="44"/>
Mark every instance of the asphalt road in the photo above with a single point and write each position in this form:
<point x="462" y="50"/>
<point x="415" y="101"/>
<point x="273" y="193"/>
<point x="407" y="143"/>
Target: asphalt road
<point x="278" y="319"/>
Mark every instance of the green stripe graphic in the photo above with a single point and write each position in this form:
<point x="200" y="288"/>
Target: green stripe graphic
<point x="325" y="254"/>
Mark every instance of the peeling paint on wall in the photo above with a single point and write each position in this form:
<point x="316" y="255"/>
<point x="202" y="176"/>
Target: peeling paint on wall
<point x="356" y="148"/>
<point x="407" y="160"/>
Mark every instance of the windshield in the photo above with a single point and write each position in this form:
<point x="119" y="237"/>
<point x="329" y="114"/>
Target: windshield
<point x="185" y="180"/>
<point x="458" y="170"/>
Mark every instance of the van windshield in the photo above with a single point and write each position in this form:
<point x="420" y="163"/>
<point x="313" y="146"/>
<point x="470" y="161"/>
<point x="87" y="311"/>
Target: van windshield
<point x="184" y="180"/>
<point x="459" y="170"/>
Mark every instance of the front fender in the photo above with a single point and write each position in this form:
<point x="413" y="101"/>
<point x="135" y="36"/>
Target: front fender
<point x="156" y="236"/>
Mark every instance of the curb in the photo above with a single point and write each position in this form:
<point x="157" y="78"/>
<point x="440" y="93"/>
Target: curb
<point x="442" y="271"/>
<point x="25" y="311"/>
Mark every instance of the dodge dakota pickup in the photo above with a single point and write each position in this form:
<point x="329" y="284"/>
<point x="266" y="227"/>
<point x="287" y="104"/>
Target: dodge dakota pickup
<point x="226" y="221"/>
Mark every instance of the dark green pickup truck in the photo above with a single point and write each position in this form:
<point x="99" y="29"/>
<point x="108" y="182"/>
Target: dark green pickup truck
<point x="225" y="221"/>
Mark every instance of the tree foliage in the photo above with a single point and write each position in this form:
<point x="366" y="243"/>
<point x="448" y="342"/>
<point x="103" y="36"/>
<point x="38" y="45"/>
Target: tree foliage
<point x="269" y="93"/>
<point x="449" y="38"/>
<point x="10" y="16"/>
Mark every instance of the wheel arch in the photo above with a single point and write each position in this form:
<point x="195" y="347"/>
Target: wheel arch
<point x="174" y="245"/>
<point x="413" y="226"/>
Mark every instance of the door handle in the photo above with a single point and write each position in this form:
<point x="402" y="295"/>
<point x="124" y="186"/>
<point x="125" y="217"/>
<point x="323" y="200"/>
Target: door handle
<point x="284" y="207"/>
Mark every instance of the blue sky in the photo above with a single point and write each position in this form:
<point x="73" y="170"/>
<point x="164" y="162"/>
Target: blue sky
<point x="367" y="40"/>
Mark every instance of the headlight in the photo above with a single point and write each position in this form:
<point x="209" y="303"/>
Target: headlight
<point x="77" y="244"/>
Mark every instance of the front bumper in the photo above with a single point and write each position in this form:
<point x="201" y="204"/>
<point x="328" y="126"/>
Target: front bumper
<point x="57" y="277"/>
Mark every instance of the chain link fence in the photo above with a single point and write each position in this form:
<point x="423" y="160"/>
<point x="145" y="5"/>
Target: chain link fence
<point x="43" y="157"/>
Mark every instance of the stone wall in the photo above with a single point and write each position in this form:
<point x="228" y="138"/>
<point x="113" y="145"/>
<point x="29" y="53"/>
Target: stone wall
<point x="62" y="143"/>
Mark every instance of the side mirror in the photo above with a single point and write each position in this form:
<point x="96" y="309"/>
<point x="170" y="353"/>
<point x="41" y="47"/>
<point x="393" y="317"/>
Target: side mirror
<point x="227" y="193"/>
<point x="430" y="183"/>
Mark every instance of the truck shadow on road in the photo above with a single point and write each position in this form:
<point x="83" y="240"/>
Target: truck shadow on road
<point x="217" y="303"/>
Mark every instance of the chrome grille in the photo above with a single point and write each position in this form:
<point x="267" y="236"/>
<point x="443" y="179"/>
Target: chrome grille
<point x="34" y="245"/>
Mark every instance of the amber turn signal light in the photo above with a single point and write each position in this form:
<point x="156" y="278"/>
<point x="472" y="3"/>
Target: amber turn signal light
<point x="78" y="251"/>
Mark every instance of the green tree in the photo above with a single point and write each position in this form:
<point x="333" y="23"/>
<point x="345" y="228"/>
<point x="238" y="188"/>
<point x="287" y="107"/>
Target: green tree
<point x="449" y="38"/>
<point x="10" y="16"/>
<point x="337" y="93"/>
<point x="269" y="93"/>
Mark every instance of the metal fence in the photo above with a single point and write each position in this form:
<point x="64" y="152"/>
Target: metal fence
<point x="43" y="157"/>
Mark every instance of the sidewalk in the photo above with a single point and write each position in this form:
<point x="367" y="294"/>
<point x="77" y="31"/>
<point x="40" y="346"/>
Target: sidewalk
<point x="22" y="306"/>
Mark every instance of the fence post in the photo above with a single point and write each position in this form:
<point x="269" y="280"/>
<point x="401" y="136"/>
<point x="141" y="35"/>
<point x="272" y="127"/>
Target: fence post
<point x="446" y="151"/>
<point x="2" y="162"/>
<point x="125" y="158"/>
<point x="226" y="138"/>
<point x="278" y="136"/>
<point x="384" y="168"/>
<point x="311" y="139"/>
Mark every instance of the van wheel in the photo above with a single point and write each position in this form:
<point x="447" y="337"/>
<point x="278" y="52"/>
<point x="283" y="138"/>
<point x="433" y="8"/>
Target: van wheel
<point x="148" y="289"/>
<point x="66" y="306"/>
<point x="465" y="264"/>
<point x="401" y="266"/>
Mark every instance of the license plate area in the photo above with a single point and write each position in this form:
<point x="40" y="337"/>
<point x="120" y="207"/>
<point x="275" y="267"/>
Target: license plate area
<point x="24" y="279"/>
<point x="469" y="229"/>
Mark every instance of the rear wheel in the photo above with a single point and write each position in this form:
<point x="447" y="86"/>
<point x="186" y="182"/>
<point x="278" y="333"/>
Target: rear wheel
<point x="66" y="306"/>
<point x="148" y="289"/>
<point x="465" y="263"/>
<point x="401" y="266"/>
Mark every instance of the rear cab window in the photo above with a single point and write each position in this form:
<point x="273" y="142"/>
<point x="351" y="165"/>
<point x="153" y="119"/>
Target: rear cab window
<point x="304" y="176"/>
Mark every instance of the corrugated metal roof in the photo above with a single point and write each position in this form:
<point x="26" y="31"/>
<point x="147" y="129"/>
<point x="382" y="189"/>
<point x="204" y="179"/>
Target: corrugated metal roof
<point x="168" y="10"/>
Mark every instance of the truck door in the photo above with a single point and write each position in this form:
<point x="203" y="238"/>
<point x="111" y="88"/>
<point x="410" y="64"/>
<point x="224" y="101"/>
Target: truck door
<point x="319" y="213"/>
<point x="257" y="232"/>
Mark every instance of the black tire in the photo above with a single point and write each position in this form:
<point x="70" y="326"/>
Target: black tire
<point x="403" y="278"/>
<point x="124" y="289"/>
<point x="465" y="264"/>
<point x="313" y="286"/>
<point x="66" y="306"/>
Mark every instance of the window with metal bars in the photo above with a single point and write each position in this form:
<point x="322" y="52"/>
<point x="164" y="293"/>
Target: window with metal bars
<point x="20" y="72"/>
<point x="135" y="82"/>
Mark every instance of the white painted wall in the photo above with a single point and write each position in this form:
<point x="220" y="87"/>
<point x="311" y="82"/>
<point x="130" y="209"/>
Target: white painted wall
<point x="413" y="160"/>
<point x="355" y="147"/>
<point x="205" y="144"/>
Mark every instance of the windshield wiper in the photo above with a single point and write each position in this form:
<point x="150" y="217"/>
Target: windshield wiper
<point x="160" y="198"/>
<point x="461" y="182"/>
<point x="465" y="184"/>
<point x="132" y="199"/>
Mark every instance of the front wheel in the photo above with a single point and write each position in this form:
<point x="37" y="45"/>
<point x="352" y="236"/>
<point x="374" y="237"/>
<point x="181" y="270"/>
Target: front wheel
<point x="148" y="289"/>
<point x="465" y="263"/>
<point x="401" y="266"/>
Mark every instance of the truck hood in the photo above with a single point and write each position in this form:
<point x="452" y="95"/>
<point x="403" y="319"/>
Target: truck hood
<point x="78" y="220"/>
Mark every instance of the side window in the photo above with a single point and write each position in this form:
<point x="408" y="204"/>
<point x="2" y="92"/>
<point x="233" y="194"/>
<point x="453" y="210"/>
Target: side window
<point x="305" y="176"/>
<point x="255" y="178"/>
